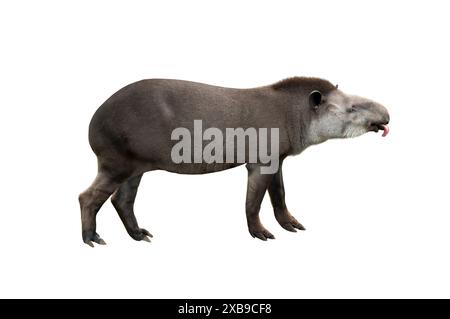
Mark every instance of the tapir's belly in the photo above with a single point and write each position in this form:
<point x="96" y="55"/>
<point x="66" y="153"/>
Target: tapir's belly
<point x="191" y="168"/>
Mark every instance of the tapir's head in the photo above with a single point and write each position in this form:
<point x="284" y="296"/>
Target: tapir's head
<point x="335" y="114"/>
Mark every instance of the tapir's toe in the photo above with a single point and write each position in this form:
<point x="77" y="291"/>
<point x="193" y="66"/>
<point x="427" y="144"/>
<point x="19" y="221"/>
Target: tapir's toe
<point x="141" y="234"/>
<point x="289" y="227"/>
<point x="292" y="226"/>
<point x="146" y="239"/>
<point x="146" y="232"/>
<point x="287" y="221"/>
<point x="261" y="233"/>
<point x="90" y="240"/>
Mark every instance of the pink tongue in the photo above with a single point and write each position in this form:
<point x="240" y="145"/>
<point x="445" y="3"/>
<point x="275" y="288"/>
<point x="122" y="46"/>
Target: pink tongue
<point x="385" y="130"/>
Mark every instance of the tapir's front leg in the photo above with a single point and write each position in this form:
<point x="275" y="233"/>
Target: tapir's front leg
<point x="256" y="188"/>
<point x="276" y="192"/>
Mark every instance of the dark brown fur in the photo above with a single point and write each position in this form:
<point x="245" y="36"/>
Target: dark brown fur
<point x="304" y="84"/>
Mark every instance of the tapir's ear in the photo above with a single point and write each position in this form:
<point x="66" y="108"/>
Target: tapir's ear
<point x="315" y="98"/>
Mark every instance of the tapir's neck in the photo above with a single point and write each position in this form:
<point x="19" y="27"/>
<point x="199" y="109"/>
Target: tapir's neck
<point x="298" y="129"/>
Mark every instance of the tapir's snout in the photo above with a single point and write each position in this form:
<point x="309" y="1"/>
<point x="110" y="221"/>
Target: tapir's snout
<point x="378" y="118"/>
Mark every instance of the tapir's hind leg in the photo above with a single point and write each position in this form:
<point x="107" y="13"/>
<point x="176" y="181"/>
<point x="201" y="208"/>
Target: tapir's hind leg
<point x="92" y="199"/>
<point x="123" y="201"/>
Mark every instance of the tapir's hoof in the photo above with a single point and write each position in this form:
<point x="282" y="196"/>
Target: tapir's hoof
<point x="261" y="233"/>
<point x="90" y="240"/>
<point x="287" y="221"/>
<point x="146" y="239"/>
<point x="292" y="226"/>
<point x="141" y="234"/>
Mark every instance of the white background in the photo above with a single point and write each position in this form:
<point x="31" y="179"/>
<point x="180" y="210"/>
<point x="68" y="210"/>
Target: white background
<point x="375" y="209"/>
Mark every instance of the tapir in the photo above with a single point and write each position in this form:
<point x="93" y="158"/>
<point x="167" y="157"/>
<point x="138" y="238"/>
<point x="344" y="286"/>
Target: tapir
<point x="131" y="133"/>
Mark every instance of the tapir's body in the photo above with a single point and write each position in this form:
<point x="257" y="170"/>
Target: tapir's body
<point x="136" y="122"/>
<point x="131" y="134"/>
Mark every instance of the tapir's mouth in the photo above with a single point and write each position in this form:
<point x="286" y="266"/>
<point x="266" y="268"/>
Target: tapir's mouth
<point x="377" y="127"/>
